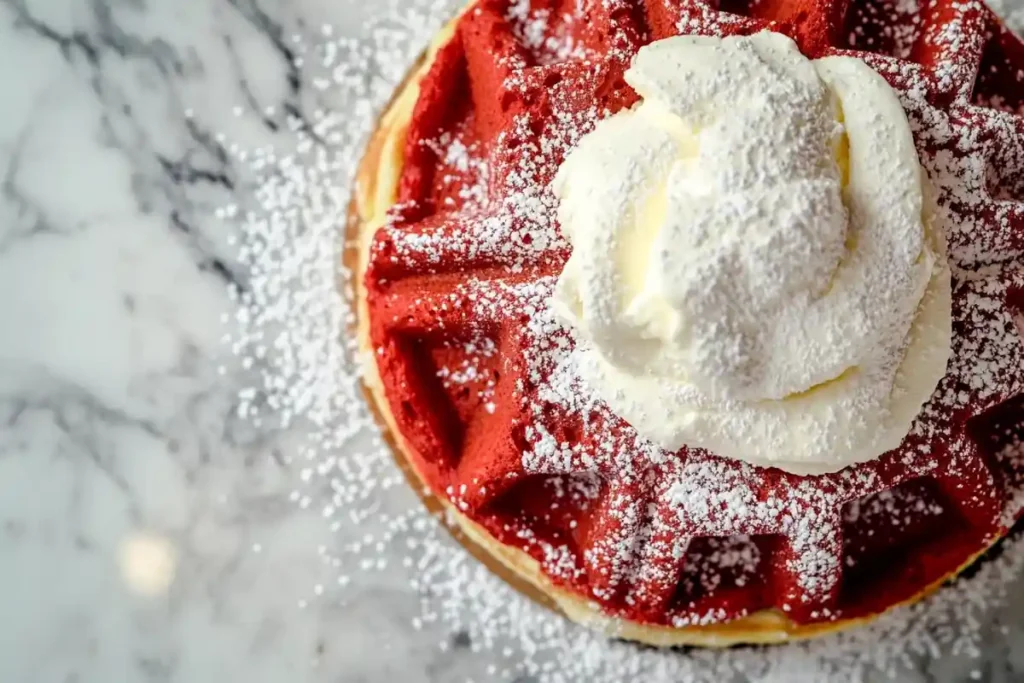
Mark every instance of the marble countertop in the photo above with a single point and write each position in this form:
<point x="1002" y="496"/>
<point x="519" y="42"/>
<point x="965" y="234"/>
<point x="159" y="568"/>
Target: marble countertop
<point x="150" y="531"/>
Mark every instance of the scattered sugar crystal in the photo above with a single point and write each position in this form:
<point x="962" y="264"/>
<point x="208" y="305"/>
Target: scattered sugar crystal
<point x="294" y="327"/>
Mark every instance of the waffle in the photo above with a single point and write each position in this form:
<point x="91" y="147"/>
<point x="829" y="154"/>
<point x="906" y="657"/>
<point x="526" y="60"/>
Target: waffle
<point x="455" y="251"/>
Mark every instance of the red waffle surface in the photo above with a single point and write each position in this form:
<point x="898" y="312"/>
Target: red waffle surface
<point x="474" y="368"/>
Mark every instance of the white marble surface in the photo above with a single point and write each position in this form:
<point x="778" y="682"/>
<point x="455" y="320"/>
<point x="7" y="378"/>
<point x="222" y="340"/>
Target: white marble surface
<point x="146" y="532"/>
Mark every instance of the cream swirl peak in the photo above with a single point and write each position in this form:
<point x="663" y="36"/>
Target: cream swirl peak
<point x="754" y="270"/>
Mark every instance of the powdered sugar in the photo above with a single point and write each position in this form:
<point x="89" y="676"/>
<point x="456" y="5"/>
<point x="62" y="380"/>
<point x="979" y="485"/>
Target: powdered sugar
<point x="532" y="28"/>
<point x="316" y="379"/>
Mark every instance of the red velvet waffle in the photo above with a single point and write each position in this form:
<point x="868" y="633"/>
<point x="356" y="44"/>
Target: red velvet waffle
<point x="472" y="365"/>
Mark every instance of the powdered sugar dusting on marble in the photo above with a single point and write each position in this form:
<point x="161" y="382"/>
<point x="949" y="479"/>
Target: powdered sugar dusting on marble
<point x="295" y="317"/>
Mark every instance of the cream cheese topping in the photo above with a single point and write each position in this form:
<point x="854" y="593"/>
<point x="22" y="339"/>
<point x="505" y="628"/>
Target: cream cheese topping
<point x="754" y="271"/>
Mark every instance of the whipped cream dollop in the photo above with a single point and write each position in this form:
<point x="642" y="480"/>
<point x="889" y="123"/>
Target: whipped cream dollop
<point x="755" y="270"/>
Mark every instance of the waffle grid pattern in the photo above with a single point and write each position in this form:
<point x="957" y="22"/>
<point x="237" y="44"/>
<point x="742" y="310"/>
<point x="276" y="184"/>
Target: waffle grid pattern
<point x="477" y="372"/>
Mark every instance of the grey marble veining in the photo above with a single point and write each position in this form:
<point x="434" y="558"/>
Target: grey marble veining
<point x="119" y="438"/>
<point x="146" y="532"/>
